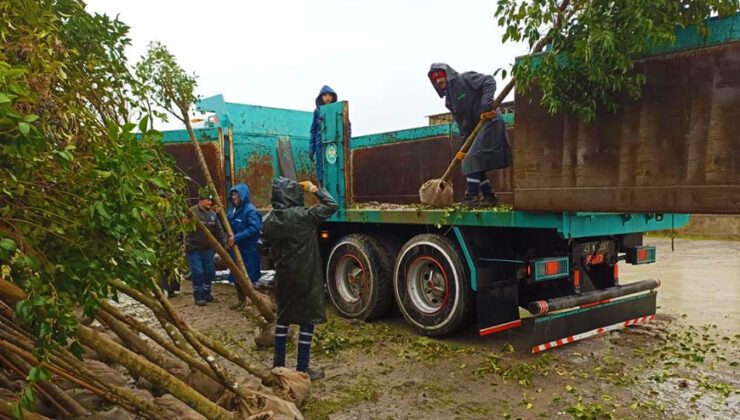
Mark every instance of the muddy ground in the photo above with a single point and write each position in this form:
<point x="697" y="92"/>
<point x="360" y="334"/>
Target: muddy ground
<point x="682" y="365"/>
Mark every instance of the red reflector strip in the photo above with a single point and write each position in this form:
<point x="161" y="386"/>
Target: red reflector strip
<point x="501" y="327"/>
<point x="642" y="255"/>
<point x="577" y="279"/>
<point x="547" y="346"/>
<point x="552" y="268"/>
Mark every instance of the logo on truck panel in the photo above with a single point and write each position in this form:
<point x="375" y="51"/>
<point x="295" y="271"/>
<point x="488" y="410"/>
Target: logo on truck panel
<point x="331" y="154"/>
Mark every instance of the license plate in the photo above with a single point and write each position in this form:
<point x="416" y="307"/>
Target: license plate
<point x="594" y="248"/>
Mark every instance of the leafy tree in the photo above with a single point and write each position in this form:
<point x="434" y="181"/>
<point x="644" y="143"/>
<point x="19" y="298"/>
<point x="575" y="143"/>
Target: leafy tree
<point x="83" y="200"/>
<point x="592" y="45"/>
<point x="171" y="90"/>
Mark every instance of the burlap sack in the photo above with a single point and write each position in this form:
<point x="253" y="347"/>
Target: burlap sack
<point x="292" y="385"/>
<point x="176" y="409"/>
<point x="262" y="406"/>
<point x="436" y="193"/>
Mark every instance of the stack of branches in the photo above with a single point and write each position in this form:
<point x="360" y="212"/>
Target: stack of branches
<point x="90" y="209"/>
<point x="182" y="367"/>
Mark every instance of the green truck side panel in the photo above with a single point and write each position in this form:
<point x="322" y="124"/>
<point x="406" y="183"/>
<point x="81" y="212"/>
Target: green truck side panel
<point x="720" y="31"/>
<point x="567" y="225"/>
<point x="413" y="134"/>
<point x="181" y="136"/>
<point x="468" y="258"/>
<point x="333" y="133"/>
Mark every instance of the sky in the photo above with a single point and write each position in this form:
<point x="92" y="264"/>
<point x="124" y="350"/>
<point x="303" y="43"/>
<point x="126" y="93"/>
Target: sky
<point x="374" y="54"/>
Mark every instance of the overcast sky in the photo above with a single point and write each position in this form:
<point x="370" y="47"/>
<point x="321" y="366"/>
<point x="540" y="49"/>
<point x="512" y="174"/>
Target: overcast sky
<point x="375" y="54"/>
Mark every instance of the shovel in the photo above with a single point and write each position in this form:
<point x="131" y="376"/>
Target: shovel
<point x="439" y="192"/>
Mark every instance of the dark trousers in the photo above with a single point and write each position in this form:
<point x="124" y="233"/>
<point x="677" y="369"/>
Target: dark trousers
<point x="202" y="272"/>
<point x="478" y="183"/>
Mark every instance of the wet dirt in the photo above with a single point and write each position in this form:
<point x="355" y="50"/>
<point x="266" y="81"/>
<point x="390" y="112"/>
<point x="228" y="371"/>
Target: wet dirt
<point x="682" y="365"/>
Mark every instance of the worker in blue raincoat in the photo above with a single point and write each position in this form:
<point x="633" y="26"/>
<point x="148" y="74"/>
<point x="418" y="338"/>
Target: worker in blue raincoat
<point x="469" y="97"/>
<point x="246" y="222"/>
<point x="315" y="147"/>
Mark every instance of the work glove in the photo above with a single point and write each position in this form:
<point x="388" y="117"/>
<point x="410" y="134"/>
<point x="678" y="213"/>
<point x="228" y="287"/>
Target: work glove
<point x="308" y="186"/>
<point x="488" y="115"/>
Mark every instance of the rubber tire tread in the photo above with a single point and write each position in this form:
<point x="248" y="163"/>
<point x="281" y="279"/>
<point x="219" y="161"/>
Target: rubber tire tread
<point x="464" y="312"/>
<point x="381" y="265"/>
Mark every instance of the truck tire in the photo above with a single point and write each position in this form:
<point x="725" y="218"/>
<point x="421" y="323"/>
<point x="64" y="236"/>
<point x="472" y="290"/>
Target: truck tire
<point x="358" y="276"/>
<point x="431" y="285"/>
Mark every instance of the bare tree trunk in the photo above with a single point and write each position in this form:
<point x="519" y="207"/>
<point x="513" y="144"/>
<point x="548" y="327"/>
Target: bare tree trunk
<point x="243" y="278"/>
<point x="212" y="344"/>
<point x="257" y="298"/>
<point x="153" y="373"/>
<point x="20" y="367"/>
<point x="161" y="341"/>
<point x="6" y="410"/>
<point x="134" y="363"/>
<point x="82" y="377"/>
<point x="130" y="337"/>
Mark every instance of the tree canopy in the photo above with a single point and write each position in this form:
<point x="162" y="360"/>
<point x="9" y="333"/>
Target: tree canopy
<point x="85" y="199"/>
<point x="592" y="45"/>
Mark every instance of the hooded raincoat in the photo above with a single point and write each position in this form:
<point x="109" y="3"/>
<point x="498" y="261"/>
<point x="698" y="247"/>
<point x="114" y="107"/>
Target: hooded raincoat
<point x="315" y="146"/>
<point x="468" y="95"/>
<point x="291" y="230"/>
<point x="246" y="222"/>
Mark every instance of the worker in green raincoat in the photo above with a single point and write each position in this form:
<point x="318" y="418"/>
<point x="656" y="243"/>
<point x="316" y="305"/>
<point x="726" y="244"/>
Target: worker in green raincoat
<point x="291" y="232"/>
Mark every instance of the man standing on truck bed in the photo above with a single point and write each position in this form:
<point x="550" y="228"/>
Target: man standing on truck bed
<point x="469" y="96"/>
<point x="290" y="231"/>
<point x="315" y="147"/>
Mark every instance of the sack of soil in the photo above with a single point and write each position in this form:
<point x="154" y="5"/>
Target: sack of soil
<point x="292" y="385"/>
<point x="176" y="409"/>
<point x="262" y="405"/>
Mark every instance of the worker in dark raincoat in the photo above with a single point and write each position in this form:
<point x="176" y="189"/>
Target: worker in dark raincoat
<point x="315" y="146"/>
<point x="469" y="97"/>
<point x="291" y="231"/>
<point x="246" y="222"/>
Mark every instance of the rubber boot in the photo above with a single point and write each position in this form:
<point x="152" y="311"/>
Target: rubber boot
<point x="470" y="199"/>
<point x="488" y="197"/>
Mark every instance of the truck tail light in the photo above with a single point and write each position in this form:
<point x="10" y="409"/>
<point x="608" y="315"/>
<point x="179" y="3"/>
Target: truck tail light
<point x="641" y="254"/>
<point x="550" y="268"/>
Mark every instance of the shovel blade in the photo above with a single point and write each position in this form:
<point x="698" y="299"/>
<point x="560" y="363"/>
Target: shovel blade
<point x="436" y="193"/>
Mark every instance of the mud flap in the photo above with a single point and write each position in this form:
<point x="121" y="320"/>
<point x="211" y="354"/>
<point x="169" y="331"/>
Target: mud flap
<point x="497" y="299"/>
<point x="561" y="328"/>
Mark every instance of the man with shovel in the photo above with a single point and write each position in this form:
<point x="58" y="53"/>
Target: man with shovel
<point x="469" y="97"/>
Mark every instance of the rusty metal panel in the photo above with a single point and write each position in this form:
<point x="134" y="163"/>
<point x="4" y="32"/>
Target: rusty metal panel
<point x="187" y="162"/>
<point x="677" y="149"/>
<point x="257" y="172"/>
<point x="393" y="173"/>
<point x="285" y="158"/>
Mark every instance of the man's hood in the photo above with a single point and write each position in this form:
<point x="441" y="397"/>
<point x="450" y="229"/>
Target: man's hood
<point x="243" y="192"/>
<point x="449" y="71"/>
<point x="286" y="193"/>
<point x="325" y="89"/>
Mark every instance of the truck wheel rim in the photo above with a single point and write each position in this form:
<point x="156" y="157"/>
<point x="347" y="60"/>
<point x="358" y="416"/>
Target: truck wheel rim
<point x="350" y="278"/>
<point x="428" y="287"/>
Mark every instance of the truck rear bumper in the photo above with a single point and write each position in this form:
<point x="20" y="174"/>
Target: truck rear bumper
<point x="587" y="320"/>
<point x="541" y="307"/>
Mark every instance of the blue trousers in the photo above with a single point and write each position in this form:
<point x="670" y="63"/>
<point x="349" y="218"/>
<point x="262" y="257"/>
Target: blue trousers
<point x="202" y="272"/>
<point x="251" y="261"/>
